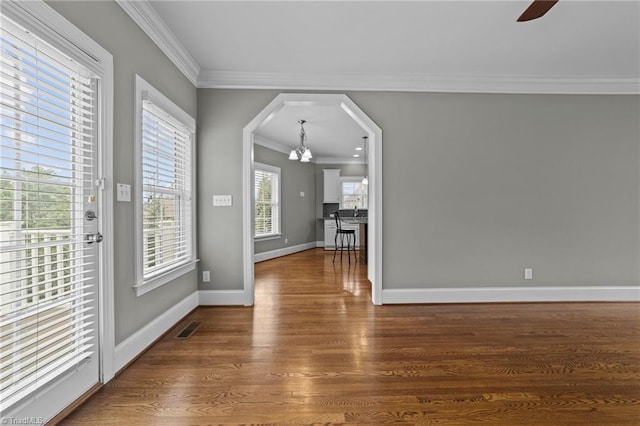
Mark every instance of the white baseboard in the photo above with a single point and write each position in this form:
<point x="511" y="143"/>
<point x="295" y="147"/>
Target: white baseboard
<point x="135" y="344"/>
<point x="319" y="243"/>
<point x="512" y="294"/>
<point x="259" y="257"/>
<point x="222" y="298"/>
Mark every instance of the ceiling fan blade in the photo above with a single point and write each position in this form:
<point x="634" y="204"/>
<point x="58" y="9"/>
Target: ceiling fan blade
<point x="537" y="9"/>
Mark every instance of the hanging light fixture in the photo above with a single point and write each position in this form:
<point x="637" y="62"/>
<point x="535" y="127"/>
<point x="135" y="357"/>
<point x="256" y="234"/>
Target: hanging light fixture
<point x="302" y="152"/>
<point x="365" y="179"/>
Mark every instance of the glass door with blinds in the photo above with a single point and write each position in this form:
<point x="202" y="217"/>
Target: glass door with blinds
<point x="48" y="224"/>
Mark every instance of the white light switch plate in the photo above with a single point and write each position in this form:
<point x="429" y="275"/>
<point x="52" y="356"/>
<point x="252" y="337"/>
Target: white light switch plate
<point x="222" y="200"/>
<point x="123" y="192"/>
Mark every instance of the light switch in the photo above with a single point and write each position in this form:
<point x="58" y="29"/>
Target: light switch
<point x="222" y="200"/>
<point x="302" y="193"/>
<point x="123" y="192"/>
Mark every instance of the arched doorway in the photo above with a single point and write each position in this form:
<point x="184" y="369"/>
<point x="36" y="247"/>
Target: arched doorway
<point x="374" y="268"/>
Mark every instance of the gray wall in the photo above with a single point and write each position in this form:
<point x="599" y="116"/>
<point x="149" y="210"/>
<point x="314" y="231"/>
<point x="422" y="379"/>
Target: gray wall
<point x="297" y="214"/>
<point x="476" y="186"/>
<point x="222" y="114"/>
<point x="133" y="53"/>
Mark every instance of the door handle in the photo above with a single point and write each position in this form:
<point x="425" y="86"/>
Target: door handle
<point x="93" y="238"/>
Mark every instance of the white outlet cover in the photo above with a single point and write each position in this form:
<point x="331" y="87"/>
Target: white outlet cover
<point x="123" y="192"/>
<point x="528" y="273"/>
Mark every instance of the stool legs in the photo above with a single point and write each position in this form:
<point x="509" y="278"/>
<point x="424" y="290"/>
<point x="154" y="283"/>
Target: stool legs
<point x="349" y="246"/>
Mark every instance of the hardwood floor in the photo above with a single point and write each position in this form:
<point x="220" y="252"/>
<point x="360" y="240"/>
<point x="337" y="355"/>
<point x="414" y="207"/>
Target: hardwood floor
<point x="314" y="349"/>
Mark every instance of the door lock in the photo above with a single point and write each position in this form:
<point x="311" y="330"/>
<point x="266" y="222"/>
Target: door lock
<point x="93" y="238"/>
<point x="90" y="215"/>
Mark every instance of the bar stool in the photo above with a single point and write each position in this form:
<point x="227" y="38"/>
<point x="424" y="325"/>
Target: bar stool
<point x="351" y="239"/>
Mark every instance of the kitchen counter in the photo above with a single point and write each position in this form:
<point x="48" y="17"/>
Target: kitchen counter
<point x="348" y="219"/>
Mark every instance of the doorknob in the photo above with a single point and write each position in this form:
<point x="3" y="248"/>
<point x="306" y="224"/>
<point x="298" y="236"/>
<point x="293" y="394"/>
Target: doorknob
<point x="93" y="238"/>
<point x="89" y="215"/>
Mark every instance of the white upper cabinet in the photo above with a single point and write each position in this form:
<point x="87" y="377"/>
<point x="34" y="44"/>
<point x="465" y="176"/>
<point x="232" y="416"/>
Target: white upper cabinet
<point x="331" y="185"/>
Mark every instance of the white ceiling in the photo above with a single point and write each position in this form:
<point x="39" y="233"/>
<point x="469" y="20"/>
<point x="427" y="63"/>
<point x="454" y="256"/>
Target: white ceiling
<point x="579" y="46"/>
<point x="311" y="43"/>
<point x="332" y="135"/>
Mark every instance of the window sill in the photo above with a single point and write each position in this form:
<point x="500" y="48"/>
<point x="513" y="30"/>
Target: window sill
<point x="267" y="237"/>
<point x="168" y="276"/>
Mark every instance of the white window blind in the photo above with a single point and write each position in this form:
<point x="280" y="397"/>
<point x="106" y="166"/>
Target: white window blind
<point x="354" y="194"/>
<point x="47" y="272"/>
<point x="267" y="200"/>
<point x="167" y="190"/>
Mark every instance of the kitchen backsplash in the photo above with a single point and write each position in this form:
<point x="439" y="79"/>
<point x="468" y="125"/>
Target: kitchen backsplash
<point x="330" y="208"/>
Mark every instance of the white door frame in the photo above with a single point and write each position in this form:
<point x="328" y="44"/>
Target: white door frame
<point x="50" y="25"/>
<point x="374" y="270"/>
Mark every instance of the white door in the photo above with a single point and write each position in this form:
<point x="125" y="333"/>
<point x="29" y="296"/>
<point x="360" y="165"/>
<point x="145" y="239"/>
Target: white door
<point x="48" y="233"/>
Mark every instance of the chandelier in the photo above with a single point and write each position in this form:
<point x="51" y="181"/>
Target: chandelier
<point x="302" y="152"/>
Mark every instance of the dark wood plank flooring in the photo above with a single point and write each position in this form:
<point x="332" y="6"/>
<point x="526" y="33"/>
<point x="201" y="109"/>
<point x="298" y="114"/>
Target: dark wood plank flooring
<point x="314" y="350"/>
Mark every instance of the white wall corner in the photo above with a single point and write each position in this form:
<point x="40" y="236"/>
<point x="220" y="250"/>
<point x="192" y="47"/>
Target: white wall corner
<point x="513" y="294"/>
<point x="222" y="297"/>
<point x="138" y="342"/>
<point x="152" y="24"/>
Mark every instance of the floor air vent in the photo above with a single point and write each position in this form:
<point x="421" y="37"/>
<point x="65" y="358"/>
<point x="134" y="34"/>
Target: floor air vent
<point x="188" y="330"/>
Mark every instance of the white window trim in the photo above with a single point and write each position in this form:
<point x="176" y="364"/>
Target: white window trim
<point x="278" y="171"/>
<point x="350" y="179"/>
<point x="145" y="91"/>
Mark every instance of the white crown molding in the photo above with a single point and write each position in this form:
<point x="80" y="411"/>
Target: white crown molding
<point x="150" y="22"/>
<point x="271" y="144"/>
<point x="407" y="82"/>
<point x="339" y="160"/>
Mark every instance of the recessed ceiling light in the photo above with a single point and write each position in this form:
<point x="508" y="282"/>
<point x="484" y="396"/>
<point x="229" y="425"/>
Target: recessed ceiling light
<point x="359" y="148"/>
<point x="356" y="155"/>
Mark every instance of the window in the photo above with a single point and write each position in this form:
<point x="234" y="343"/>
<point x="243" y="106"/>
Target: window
<point x="353" y="193"/>
<point x="165" y="207"/>
<point x="267" y="201"/>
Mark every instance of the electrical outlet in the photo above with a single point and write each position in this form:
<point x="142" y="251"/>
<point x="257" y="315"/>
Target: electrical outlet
<point x="528" y="273"/>
<point x="206" y="276"/>
<point x="286" y="240"/>
<point x="302" y="193"/>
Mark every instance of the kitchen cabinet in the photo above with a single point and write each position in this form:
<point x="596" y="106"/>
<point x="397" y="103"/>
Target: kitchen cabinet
<point x="330" y="233"/>
<point x="364" y="242"/>
<point x="354" y="227"/>
<point x="331" y="187"/>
